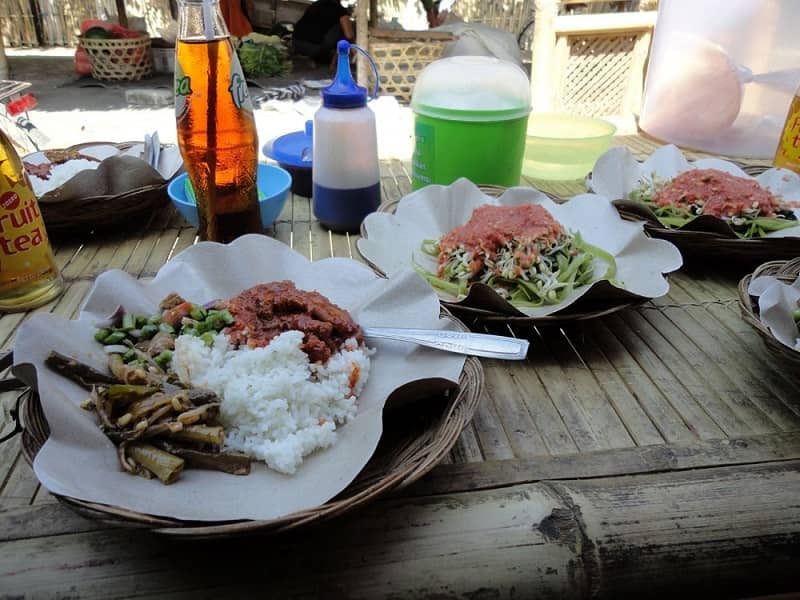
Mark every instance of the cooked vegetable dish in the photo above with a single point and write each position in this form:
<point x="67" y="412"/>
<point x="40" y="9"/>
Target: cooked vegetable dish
<point x="751" y="210"/>
<point x="521" y="251"/>
<point x="151" y="406"/>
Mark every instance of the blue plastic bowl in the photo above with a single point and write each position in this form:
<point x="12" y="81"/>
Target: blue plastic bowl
<point x="273" y="185"/>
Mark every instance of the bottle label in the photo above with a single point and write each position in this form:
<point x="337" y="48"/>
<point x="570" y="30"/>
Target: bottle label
<point x="25" y="252"/>
<point x="237" y="84"/>
<point x="183" y="89"/>
<point x="240" y="94"/>
<point x="424" y="152"/>
<point x="788" y="154"/>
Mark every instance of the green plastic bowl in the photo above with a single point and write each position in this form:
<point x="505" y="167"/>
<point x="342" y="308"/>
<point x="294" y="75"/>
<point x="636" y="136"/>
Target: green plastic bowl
<point x="562" y="147"/>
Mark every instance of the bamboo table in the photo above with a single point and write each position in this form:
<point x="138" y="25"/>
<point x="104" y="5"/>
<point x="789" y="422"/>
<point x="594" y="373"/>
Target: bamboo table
<point x="653" y="451"/>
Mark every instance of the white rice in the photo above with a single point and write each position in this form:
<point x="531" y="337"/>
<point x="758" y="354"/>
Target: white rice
<point x="276" y="405"/>
<point x="60" y="174"/>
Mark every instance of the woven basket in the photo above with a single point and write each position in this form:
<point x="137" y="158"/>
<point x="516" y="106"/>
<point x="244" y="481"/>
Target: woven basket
<point x="119" y="59"/>
<point x="787" y="272"/>
<point x="415" y="438"/>
<point x="401" y="55"/>
<point x="711" y="247"/>
<point x="581" y="310"/>
<point x="102" y="213"/>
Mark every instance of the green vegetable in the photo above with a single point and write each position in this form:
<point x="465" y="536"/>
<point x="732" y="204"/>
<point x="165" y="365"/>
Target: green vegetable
<point x="114" y="337"/>
<point x="198" y="313"/>
<point x="796" y="314"/>
<point x="101" y="334"/>
<point x="263" y="56"/>
<point x="98" y="33"/>
<point x="128" y="321"/>
<point x="163" y="359"/>
<point x="559" y="270"/>
<point x="148" y="331"/>
<point x="744" y="227"/>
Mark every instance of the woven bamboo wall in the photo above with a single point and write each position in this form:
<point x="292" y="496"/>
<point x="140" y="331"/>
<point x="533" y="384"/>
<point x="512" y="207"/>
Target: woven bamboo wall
<point x="60" y="19"/>
<point x="595" y="80"/>
<point x="17" y="21"/>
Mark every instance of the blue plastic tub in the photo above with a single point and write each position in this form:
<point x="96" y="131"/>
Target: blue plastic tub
<point x="273" y="188"/>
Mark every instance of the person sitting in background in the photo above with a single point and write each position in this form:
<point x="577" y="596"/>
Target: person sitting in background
<point x="322" y="25"/>
<point x="436" y="14"/>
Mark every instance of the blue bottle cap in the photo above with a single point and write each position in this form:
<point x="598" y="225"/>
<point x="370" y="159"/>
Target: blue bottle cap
<point x="292" y="149"/>
<point x="344" y="92"/>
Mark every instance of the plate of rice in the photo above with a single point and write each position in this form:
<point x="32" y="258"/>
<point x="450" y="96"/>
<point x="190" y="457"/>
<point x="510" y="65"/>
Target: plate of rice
<point x="306" y="405"/>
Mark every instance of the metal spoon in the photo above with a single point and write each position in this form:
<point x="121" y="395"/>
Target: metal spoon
<point x="460" y="342"/>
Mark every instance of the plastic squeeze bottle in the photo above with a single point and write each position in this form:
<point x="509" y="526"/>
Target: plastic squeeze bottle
<point x="346" y="177"/>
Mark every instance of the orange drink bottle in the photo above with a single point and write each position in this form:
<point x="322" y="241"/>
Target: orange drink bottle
<point x="216" y="128"/>
<point x="29" y="276"/>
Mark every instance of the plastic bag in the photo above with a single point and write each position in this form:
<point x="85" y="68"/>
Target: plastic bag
<point x="477" y="39"/>
<point x="722" y="74"/>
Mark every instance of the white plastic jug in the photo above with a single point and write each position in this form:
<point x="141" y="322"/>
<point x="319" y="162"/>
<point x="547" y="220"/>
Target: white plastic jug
<point x="722" y="74"/>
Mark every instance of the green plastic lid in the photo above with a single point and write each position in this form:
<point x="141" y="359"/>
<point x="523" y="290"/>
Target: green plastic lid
<point x="472" y="88"/>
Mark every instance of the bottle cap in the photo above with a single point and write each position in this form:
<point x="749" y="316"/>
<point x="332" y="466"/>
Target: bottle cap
<point x="293" y="149"/>
<point x="344" y="92"/>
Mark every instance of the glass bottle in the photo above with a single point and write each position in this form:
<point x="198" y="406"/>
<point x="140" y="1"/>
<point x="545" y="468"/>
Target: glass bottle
<point x="787" y="154"/>
<point x="216" y="128"/>
<point x="29" y="276"/>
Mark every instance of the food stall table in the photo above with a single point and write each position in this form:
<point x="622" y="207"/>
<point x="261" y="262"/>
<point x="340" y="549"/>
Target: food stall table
<point x="653" y="451"/>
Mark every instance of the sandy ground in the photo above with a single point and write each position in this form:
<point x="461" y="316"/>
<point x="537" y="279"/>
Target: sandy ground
<point x="73" y="110"/>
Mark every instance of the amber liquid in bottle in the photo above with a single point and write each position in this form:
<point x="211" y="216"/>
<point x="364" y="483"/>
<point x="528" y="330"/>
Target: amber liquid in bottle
<point x="217" y="135"/>
<point x="787" y="155"/>
<point x="29" y="276"/>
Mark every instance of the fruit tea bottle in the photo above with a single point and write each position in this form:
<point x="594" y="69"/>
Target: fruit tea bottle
<point x="29" y="276"/>
<point x="787" y="155"/>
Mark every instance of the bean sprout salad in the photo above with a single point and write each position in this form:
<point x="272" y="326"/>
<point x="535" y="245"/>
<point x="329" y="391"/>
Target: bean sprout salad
<point x="521" y="252"/>
<point x="749" y="209"/>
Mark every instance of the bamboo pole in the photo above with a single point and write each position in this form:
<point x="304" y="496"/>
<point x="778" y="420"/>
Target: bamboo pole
<point x="543" y="50"/>
<point x="362" y="38"/>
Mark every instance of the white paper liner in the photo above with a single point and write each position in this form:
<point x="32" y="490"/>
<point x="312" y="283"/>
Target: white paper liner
<point x="393" y="240"/>
<point x="117" y="172"/>
<point x="617" y="173"/>
<point x="79" y="461"/>
<point x="776" y="301"/>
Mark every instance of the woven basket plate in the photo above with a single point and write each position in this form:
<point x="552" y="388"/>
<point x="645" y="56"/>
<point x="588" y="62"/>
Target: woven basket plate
<point x="102" y="212"/>
<point x="418" y="433"/>
<point x="787" y="272"/>
<point x="705" y="239"/>
<point x="583" y="309"/>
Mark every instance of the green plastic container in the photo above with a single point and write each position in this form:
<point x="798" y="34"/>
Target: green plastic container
<point x="471" y="116"/>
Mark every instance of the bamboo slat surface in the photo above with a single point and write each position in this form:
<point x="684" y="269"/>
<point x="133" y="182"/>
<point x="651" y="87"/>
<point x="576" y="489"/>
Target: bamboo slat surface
<point x="665" y="436"/>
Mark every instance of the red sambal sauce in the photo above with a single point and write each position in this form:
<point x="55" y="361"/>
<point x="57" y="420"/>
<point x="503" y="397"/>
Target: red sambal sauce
<point x="264" y="311"/>
<point x="720" y="194"/>
<point x="492" y="227"/>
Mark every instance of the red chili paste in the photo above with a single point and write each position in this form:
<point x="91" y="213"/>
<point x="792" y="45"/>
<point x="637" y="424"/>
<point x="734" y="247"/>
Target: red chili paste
<point x="265" y="311"/>
<point x="490" y="228"/>
<point x="720" y="194"/>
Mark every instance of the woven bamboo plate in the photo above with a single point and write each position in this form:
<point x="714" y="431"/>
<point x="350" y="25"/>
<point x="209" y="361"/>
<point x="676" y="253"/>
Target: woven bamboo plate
<point x="582" y="310"/>
<point x="787" y="272"/>
<point x="714" y="247"/>
<point x="417" y="435"/>
<point x="105" y="212"/>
